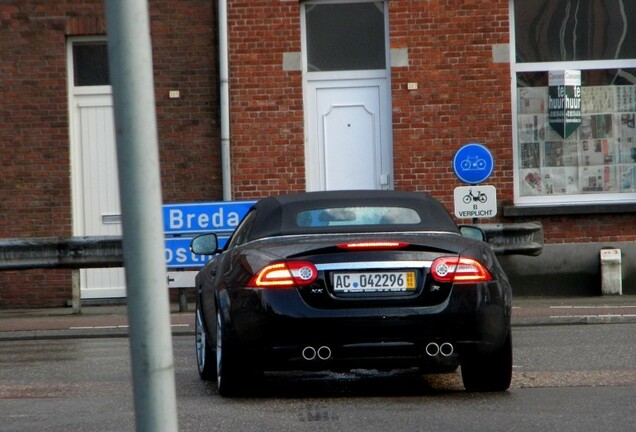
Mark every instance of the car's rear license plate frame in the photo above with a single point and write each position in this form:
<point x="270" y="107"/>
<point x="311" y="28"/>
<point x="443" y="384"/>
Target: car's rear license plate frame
<point x="401" y="281"/>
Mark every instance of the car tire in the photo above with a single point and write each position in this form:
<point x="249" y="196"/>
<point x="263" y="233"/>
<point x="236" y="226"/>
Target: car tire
<point x="231" y="379"/>
<point x="488" y="372"/>
<point x="206" y="357"/>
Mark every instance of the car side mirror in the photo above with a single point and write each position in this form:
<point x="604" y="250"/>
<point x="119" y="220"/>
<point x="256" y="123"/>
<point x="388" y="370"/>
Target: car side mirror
<point x="472" y="232"/>
<point x="205" y="244"/>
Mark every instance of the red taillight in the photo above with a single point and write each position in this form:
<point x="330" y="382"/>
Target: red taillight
<point x="373" y="245"/>
<point x="460" y="270"/>
<point x="284" y="275"/>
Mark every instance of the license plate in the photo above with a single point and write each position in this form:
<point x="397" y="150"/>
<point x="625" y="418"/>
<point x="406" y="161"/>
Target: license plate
<point x="374" y="282"/>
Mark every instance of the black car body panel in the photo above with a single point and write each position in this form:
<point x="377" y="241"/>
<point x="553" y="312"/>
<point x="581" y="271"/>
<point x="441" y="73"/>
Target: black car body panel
<point x="326" y="325"/>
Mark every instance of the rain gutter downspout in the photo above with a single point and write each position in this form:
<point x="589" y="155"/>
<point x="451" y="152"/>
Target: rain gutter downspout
<point x="226" y="170"/>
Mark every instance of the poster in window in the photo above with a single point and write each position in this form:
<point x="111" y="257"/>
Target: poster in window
<point x="625" y="98"/>
<point x="626" y="150"/>
<point x="628" y="125"/>
<point x="627" y="178"/>
<point x="531" y="182"/>
<point x="531" y="128"/>
<point x="553" y="154"/>
<point x="532" y="100"/>
<point x="597" y="99"/>
<point x="571" y="153"/>
<point x="530" y="155"/>
<point x="560" y="181"/>
<point x="596" y="152"/>
<point x="599" y="158"/>
<point x="585" y="130"/>
<point x="602" y="126"/>
<point x="598" y="179"/>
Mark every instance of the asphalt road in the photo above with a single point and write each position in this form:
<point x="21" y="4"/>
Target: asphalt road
<point x="566" y="378"/>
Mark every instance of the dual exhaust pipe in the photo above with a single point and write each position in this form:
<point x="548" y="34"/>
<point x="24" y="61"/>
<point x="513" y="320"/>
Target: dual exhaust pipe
<point x="433" y="349"/>
<point x="445" y="349"/>
<point x="322" y="353"/>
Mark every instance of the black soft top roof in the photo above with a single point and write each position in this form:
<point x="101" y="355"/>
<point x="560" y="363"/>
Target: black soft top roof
<point x="276" y="215"/>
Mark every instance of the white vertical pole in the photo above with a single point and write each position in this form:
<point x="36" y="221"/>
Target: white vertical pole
<point x="224" y="82"/>
<point x="131" y="73"/>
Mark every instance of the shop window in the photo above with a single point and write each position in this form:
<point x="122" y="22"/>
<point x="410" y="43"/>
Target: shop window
<point x="597" y="162"/>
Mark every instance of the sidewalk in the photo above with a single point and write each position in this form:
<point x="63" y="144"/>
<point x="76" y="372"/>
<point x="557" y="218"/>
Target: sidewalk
<point x="112" y="321"/>
<point x="93" y="321"/>
<point x="529" y="311"/>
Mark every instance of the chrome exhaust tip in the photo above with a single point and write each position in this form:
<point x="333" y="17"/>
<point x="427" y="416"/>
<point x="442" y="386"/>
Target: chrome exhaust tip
<point x="324" y="353"/>
<point x="446" y="349"/>
<point x="432" y="349"/>
<point x="309" y="353"/>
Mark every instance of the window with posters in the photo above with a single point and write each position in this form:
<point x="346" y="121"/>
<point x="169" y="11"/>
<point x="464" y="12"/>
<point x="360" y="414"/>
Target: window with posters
<point x="597" y="160"/>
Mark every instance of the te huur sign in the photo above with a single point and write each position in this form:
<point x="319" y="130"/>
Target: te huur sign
<point x="564" y="101"/>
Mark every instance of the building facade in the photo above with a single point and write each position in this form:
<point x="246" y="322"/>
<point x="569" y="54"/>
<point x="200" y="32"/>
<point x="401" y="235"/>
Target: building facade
<point x="334" y="94"/>
<point x="454" y="73"/>
<point x="59" y="175"/>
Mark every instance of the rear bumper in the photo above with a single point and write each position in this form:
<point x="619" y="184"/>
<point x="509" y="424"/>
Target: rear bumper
<point x="276" y="326"/>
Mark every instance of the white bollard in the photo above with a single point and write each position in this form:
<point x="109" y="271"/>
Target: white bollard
<point x="611" y="274"/>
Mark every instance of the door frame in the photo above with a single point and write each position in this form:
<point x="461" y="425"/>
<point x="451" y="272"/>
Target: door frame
<point x="77" y="187"/>
<point x="93" y="283"/>
<point x="313" y="81"/>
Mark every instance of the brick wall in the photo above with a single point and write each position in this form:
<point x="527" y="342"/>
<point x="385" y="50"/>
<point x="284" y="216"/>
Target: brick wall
<point x="184" y="41"/>
<point x="35" y="191"/>
<point x="463" y="96"/>
<point x="267" y="129"/>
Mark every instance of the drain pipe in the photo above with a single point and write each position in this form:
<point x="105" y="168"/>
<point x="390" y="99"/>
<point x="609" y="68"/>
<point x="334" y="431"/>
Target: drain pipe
<point x="224" y="82"/>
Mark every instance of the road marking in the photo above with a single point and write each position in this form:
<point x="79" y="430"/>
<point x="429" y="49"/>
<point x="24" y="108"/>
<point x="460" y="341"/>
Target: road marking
<point x="594" y="307"/>
<point x="604" y="316"/>
<point x="117" y="327"/>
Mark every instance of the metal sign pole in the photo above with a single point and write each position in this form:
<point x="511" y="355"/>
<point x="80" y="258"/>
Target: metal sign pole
<point x="131" y="73"/>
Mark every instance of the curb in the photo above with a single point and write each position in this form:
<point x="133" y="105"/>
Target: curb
<point x="575" y="320"/>
<point x="188" y="330"/>
<point x="84" y="333"/>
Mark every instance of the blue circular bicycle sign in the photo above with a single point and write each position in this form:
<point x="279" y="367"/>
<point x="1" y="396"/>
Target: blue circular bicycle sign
<point x="473" y="163"/>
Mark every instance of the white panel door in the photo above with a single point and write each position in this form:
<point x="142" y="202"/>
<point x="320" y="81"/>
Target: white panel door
<point x="348" y="138"/>
<point x="96" y="192"/>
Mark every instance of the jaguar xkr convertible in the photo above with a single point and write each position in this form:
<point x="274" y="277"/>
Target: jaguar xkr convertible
<point x="346" y="280"/>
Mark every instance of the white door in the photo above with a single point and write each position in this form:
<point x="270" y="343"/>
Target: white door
<point x="347" y="95"/>
<point x="349" y="151"/>
<point x="98" y="192"/>
<point x="96" y="206"/>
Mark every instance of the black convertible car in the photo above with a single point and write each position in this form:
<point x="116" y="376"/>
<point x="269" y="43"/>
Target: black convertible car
<point x="347" y="280"/>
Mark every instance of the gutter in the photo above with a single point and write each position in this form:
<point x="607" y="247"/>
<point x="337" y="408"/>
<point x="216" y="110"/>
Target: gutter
<point x="226" y="170"/>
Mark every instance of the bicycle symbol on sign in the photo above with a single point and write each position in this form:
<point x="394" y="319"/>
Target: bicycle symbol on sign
<point x="470" y="197"/>
<point x="473" y="163"/>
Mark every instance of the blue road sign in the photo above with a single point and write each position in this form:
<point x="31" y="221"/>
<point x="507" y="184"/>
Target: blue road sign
<point x="179" y="256"/>
<point x="473" y="163"/>
<point x="222" y="216"/>
<point x="182" y="222"/>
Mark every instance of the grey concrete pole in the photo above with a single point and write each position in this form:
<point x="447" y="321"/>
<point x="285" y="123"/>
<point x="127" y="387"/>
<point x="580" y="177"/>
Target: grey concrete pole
<point x="130" y="57"/>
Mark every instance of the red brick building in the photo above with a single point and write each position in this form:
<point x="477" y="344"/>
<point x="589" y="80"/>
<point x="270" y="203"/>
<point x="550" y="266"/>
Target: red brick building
<point x="330" y="94"/>
<point x="38" y="146"/>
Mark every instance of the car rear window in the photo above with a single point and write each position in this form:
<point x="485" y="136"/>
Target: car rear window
<point x="356" y="216"/>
